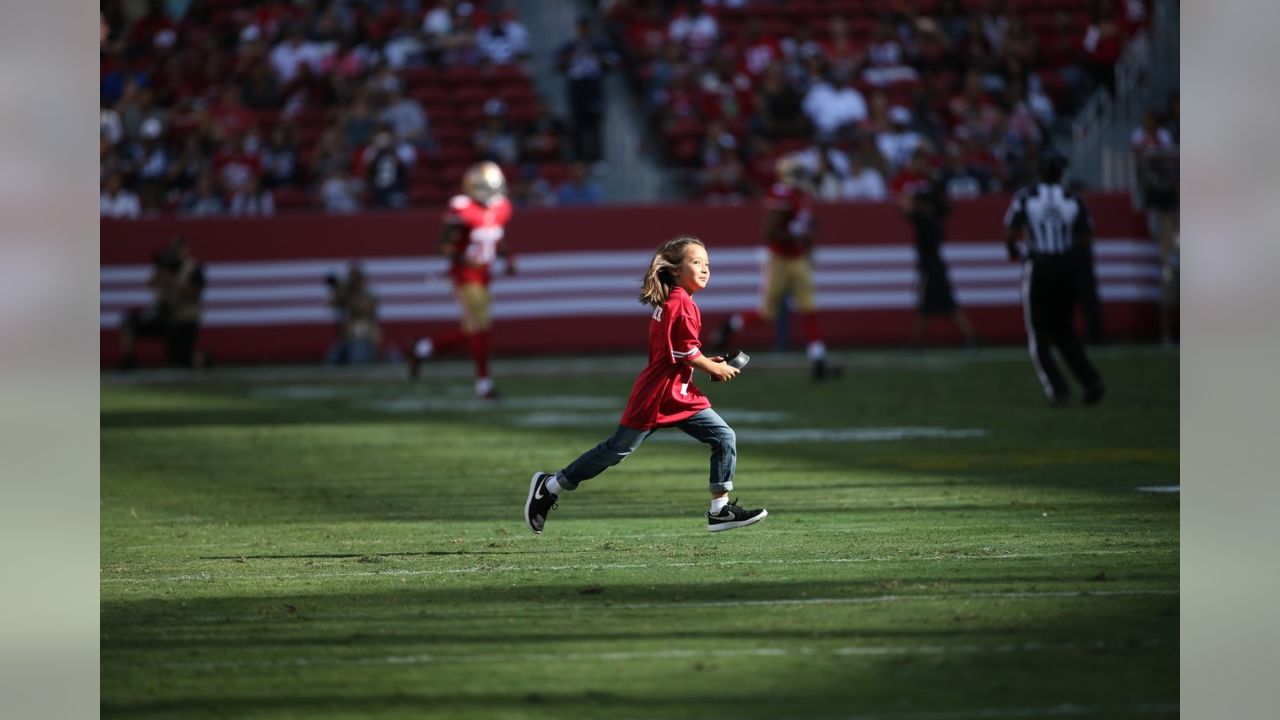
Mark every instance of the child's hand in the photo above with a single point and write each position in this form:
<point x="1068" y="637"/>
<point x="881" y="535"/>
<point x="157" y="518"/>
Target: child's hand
<point x="720" y="371"/>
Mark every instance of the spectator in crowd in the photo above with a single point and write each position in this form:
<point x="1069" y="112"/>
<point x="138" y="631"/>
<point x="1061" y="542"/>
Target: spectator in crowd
<point x="340" y="193"/>
<point x="887" y="58"/>
<point x="578" y="190"/>
<point x="260" y="90"/>
<point x="332" y="153"/>
<point x="356" y="312"/>
<point x="780" y="106"/>
<point x="494" y="140"/>
<point x="238" y="160"/>
<point x="186" y="168"/>
<point x="924" y="202"/>
<point x="116" y="201"/>
<point x="203" y="200"/>
<point x="865" y="182"/>
<point x="447" y="32"/>
<point x="150" y="163"/>
<point x="900" y="143"/>
<point x="584" y="61"/>
<point x="723" y="175"/>
<point x="407" y="118"/>
<point x="110" y="126"/>
<point x="405" y="46"/>
<point x="952" y="22"/>
<point x="280" y="163"/>
<point x="544" y="138"/>
<point x="832" y="106"/>
<point x="827" y="171"/>
<point x="136" y="107"/>
<point x="961" y="182"/>
<point x="359" y="122"/>
<point x="252" y="199"/>
<point x="386" y="172"/>
<point x="503" y="41"/>
<point x="844" y="56"/>
<point x="290" y="55"/>
<point x="1102" y="44"/>
<point x="177" y="285"/>
<point x="695" y="30"/>
<point x="531" y="190"/>
<point x="760" y="53"/>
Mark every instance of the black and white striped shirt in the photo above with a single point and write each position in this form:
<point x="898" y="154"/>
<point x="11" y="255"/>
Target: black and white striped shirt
<point x="1055" y="219"/>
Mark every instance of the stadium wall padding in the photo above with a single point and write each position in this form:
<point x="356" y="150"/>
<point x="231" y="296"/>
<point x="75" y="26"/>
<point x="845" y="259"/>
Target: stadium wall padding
<point x="579" y="271"/>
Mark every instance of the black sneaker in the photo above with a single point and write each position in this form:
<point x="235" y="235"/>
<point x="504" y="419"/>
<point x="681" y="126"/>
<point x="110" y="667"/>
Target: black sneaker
<point x="731" y="516"/>
<point x="823" y="370"/>
<point x="413" y="363"/>
<point x="539" y="503"/>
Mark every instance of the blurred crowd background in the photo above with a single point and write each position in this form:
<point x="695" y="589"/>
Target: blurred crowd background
<point x="258" y="107"/>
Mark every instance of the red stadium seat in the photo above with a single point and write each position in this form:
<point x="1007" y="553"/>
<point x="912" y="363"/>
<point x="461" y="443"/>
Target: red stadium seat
<point x="291" y="198"/>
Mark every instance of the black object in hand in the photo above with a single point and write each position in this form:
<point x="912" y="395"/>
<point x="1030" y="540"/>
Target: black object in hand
<point x="737" y="359"/>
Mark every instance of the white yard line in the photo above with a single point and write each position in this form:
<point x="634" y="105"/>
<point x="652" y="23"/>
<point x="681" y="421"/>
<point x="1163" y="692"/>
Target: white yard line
<point x="207" y="577"/>
<point x="896" y="598"/>
<point x="940" y="359"/>
<point x="674" y="653"/>
<point x="1064" y="710"/>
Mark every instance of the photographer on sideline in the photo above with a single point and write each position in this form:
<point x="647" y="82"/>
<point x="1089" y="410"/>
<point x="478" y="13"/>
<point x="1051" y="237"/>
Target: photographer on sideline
<point x="356" y="312"/>
<point x="177" y="283"/>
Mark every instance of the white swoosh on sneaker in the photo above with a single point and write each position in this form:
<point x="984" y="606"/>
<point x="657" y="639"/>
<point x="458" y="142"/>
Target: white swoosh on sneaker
<point x="537" y="492"/>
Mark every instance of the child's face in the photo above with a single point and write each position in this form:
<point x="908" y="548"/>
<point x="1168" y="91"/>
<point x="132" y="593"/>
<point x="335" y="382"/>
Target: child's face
<point x="694" y="270"/>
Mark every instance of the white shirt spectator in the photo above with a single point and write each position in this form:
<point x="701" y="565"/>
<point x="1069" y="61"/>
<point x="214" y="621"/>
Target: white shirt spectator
<point x="340" y="194"/>
<point x="1143" y="141"/>
<point x="244" y="203"/>
<point x="866" y="184"/>
<point x="124" y="204"/>
<point x="897" y="146"/>
<point x="698" y="34"/>
<point x="506" y="48"/>
<point x="886" y="64"/>
<point x="400" y="50"/>
<point x="836" y="160"/>
<point x="439" y="21"/>
<point x="407" y="117"/>
<point x="110" y="126"/>
<point x="830" y="108"/>
<point x="288" y="57"/>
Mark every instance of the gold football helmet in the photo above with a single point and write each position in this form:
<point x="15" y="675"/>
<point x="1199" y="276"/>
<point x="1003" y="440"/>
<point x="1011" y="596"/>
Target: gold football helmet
<point x="484" y="182"/>
<point x="791" y="172"/>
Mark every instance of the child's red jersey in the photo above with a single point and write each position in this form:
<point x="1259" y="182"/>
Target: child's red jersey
<point x="664" y="394"/>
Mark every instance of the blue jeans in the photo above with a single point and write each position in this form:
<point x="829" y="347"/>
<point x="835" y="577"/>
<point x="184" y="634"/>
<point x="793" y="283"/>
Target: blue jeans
<point x="707" y="426"/>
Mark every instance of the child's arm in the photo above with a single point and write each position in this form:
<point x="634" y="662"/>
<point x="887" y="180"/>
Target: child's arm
<point x="716" y="367"/>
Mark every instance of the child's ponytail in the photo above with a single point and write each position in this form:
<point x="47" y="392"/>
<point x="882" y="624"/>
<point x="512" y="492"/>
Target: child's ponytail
<point x="661" y="277"/>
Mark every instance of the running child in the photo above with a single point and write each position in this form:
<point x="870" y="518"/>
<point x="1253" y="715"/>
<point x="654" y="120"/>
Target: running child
<point x="664" y="394"/>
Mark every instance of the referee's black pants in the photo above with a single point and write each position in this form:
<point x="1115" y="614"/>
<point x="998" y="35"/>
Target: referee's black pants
<point x="1048" y="301"/>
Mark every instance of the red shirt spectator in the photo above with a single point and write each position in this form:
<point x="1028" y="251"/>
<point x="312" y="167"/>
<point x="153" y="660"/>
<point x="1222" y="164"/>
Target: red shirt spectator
<point x="758" y="50"/>
<point x="237" y="165"/>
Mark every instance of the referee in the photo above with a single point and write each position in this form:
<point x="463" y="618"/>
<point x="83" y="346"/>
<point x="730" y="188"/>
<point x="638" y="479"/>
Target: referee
<point x="1055" y="221"/>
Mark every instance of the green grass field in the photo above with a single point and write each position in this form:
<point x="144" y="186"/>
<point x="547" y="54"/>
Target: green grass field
<point x="941" y="544"/>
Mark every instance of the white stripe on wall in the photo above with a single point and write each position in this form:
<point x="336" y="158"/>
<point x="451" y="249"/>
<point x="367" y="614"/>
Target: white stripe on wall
<point x="293" y="292"/>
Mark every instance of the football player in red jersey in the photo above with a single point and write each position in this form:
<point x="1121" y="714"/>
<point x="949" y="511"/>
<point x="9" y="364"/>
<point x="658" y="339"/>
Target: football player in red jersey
<point x="789" y="234"/>
<point x="473" y="236"/>
<point x="664" y="394"/>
